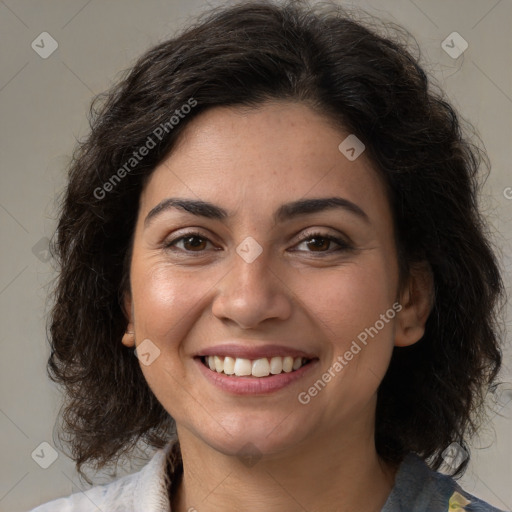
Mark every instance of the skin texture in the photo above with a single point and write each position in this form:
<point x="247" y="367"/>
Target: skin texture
<point x="302" y="294"/>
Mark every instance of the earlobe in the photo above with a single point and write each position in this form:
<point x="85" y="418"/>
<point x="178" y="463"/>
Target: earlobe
<point x="129" y="336"/>
<point x="128" y="339"/>
<point x="417" y="301"/>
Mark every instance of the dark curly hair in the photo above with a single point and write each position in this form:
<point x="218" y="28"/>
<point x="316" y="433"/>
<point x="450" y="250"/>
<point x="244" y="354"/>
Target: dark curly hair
<point x="363" y="81"/>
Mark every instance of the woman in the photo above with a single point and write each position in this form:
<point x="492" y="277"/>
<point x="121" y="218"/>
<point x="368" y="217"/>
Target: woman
<point x="278" y="216"/>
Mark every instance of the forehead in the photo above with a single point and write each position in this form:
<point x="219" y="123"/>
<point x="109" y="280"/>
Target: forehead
<point x="256" y="159"/>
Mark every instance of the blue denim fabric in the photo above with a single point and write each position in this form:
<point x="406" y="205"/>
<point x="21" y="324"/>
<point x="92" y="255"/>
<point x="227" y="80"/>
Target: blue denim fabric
<point x="419" y="489"/>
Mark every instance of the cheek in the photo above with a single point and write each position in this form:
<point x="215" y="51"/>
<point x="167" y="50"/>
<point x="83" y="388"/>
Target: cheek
<point x="165" y="299"/>
<point x="347" y="305"/>
<point x="350" y="298"/>
<point x="166" y="303"/>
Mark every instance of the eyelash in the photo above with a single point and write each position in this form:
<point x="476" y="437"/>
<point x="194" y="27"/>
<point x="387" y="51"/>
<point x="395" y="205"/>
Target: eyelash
<point x="344" y="246"/>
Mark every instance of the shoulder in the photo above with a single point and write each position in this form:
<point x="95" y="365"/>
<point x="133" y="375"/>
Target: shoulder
<point x="98" y="496"/>
<point x="418" y="488"/>
<point x="144" y="491"/>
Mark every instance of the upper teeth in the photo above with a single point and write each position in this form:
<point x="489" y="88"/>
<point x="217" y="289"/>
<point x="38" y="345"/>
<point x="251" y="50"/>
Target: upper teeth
<point x="257" y="367"/>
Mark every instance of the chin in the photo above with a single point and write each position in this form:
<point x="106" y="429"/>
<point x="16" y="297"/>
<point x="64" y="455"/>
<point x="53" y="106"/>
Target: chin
<point x="247" y="435"/>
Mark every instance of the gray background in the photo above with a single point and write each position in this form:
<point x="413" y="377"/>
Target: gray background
<point x="43" y="106"/>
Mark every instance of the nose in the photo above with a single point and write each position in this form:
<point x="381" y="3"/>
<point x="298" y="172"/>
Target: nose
<point x="251" y="293"/>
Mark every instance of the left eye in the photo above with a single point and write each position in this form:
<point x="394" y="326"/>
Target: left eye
<point x="320" y="240"/>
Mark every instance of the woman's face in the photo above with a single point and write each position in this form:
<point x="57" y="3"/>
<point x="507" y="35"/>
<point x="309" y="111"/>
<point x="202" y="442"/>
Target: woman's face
<point x="256" y="285"/>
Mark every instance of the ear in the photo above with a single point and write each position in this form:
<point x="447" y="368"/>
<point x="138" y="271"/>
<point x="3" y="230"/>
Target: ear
<point x="129" y="336"/>
<point x="417" y="300"/>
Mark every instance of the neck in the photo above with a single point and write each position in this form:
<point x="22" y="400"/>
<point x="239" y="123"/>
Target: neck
<point x="331" y="472"/>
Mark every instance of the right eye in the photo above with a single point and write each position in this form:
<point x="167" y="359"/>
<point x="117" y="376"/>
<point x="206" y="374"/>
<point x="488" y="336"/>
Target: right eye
<point x="190" y="242"/>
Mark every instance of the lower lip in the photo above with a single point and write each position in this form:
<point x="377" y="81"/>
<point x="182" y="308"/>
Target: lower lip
<point x="254" y="385"/>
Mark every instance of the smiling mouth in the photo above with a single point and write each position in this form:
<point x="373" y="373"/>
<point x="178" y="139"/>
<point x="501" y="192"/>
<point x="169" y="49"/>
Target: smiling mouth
<point x="262" y="367"/>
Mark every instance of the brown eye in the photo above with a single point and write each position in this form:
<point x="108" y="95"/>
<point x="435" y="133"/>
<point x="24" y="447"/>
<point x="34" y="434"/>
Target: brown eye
<point x="318" y="243"/>
<point x="192" y="242"/>
<point x="321" y="242"/>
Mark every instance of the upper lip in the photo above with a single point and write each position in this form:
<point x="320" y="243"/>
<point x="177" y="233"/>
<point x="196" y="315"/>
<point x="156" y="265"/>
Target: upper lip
<point x="253" y="352"/>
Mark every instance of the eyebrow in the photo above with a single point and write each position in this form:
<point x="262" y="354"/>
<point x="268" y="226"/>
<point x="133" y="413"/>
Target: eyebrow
<point x="285" y="212"/>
